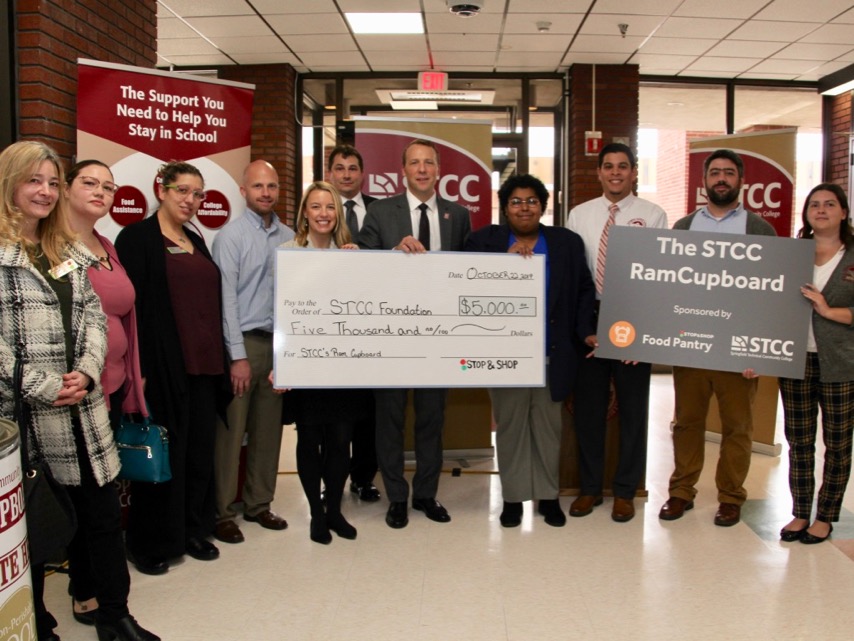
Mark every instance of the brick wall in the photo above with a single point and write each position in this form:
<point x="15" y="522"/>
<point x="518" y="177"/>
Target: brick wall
<point x="51" y="35"/>
<point x="841" y="128"/>
<point x="275" y="133"/>
<point x="616" y="115"/>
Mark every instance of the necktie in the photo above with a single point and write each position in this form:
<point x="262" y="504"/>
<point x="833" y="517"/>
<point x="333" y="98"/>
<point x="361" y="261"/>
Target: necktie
<point x="603" y="247"/>
<point x="424" y="227"/>
<point x="352" y="220"/>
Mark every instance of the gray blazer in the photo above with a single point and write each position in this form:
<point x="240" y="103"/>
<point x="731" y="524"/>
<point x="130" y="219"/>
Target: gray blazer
<point x="835" y="341"/>
<point x="388" y="221"/>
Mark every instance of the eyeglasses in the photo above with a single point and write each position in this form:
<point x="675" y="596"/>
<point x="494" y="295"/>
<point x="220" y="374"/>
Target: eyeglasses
<point x="518" y="202"/>
<point x="91" y="184"/>
<point x="183" y="190"/>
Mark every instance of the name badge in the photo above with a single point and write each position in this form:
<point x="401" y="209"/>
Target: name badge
<point x="63" y="268"/>
<point x="176" y="250"/>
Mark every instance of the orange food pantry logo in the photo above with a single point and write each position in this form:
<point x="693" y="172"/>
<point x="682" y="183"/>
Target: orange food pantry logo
<point x="622" y="334"/>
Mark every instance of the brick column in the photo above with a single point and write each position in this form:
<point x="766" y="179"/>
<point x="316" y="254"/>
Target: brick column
<point x="616" y="115"/>
<point x="51" y="36"/>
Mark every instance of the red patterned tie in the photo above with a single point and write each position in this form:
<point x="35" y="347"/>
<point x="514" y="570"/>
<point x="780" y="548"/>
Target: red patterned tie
<point x="603" y="247"/>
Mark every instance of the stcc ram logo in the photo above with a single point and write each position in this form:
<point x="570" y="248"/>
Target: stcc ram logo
<point x="767" y="347"/>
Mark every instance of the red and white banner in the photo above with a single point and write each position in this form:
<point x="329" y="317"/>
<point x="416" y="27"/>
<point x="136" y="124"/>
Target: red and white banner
<point x="465" y="157"/>
<point x="769" y="167"/>
<point x="136" y="119"/>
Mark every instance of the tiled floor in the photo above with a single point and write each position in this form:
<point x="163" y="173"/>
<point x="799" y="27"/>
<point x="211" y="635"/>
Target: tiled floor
<point x="471" y="579"/>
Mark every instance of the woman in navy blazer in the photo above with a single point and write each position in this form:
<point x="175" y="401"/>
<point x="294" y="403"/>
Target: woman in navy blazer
<point x="528" y="419"/>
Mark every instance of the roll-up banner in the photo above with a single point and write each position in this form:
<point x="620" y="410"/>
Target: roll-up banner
<point x="769" y="167"/>
<point x="768" y="190"/>
<point x="465" y="159"/>
<point x="136" y="119"/>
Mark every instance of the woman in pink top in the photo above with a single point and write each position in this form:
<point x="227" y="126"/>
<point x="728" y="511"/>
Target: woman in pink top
<point x="90" y="190"/>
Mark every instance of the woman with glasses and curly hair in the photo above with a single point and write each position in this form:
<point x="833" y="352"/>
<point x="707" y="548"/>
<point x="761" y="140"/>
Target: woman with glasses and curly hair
<point x="182" y="357"/>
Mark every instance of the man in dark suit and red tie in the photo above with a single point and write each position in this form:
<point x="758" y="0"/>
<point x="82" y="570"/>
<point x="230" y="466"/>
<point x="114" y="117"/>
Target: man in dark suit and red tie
<point x="346" y="173"/>
<point x="416" y="221"/>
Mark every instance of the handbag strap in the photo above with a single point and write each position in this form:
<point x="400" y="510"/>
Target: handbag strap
<point x="21" y="415"/>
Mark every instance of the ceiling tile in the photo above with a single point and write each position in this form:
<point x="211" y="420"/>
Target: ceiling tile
<point x="691" y="28"/>
<point x="529" y="59"/>
<point x="799" y="11"/>
<point x="399" y="44"/>
<point x="230" y="26"/>
<point x="678" y="46"/>
<point x="724" y="65"/>
<point x="401" y="57"/>
<point x="265" y="58"/>
<point x="608" y="25"/>
<point x="795" y="67"/>
<point x="831" y="34"/>
<point x="801" y="51"/>
<point x="546" y="6"/>
<point x="214" y="59"/>
<point x="271" y="7"/>
<point x="451" y="42"/>
<point x="187" y="8"/>
<point x="577" y="58"/>
<point x="184" y="46"/>
<point x="448" y="23"/>
<point x="539" y="42"/>
<point x="661" y="60"/>
<point x="845" y="18"/>
<point x="769" y="76"/>
<point x="173" y="28"/>
<point x="327" y="42"/>
<point x="309" y="24"/>
<point x="770" y="30"/>
<point x="245" y="44"/>
<point x="612" y="44"/>
<point x="709" y="74"/>
<point x="636" y="7"/>
<point x="445" y="59"/>
<point x="729" y="8"/>
<point x="730" y="48"/>
<point x="561" y="23"/>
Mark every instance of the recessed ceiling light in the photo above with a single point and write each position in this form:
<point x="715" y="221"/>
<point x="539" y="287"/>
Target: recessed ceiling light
<point x="675" y="104"/>
<point x="389" y="23"/>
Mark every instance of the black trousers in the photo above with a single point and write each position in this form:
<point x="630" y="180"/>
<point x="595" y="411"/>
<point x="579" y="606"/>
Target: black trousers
<point x="363" y="462"/>
<point x="592" y="392"/>
<point x="164" y="515"/>
<point x="323" y="453"/>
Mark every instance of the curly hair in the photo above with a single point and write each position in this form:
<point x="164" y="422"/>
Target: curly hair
<point x="522" y="181"/>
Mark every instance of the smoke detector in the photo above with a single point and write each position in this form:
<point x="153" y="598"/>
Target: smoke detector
<point x="465" y="9"/>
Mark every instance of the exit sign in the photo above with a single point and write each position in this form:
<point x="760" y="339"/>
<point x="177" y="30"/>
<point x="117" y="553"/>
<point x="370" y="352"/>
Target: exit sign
<point x="433" y="81"/>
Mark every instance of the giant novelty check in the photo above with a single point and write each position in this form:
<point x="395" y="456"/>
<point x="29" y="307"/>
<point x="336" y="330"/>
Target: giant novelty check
<point x="708" y="300"/>
<point x="347" y="318"/>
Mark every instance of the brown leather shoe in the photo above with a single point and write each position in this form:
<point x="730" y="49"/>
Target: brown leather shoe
<point x="728" y="514"/>
<point x="623" y="510"/>
<point x="228" y="532"/>
<point x="267" y="519"/>
<point x="584" y="504"/>
<point x="675" y="508"/>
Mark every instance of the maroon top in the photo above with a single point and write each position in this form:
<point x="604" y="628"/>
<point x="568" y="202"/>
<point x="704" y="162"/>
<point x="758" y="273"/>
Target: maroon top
<point x="195" y="294"/>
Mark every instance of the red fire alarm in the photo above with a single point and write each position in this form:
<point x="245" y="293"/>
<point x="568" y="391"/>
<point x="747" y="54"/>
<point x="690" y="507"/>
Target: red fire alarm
<point x="592" y="142"/>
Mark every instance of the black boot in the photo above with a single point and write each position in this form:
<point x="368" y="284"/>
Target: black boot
<point x="125" y="629"/>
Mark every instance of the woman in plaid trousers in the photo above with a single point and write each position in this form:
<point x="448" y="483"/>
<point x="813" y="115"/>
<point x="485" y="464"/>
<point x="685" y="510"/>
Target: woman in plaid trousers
<point x="828" y="380"/>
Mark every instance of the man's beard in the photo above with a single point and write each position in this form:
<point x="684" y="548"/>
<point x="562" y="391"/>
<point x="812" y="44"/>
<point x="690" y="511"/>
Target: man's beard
<point x="723" y="198"/>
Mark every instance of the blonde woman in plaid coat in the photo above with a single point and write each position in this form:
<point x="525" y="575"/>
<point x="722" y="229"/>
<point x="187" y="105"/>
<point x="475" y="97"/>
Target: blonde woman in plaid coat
<point x="52" y="320"/>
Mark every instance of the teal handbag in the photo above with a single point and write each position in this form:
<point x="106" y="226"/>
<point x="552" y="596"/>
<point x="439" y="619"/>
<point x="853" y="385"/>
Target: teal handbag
<point x="143" y="451"/>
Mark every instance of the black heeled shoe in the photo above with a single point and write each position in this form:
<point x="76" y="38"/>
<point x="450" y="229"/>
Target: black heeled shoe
<point x="125" y="629"/>
<point x="511" y="514"/>
<point x="792" y="535"/>
<point x="811" y="539"/>
<point x="86" y="617"/>
<point x="338" y="524"/>
<point x="319" y="531"/>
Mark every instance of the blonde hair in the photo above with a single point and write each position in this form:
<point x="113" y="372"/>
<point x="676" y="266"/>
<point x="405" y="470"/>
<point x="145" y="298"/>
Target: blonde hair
<point x="340" y="234"/>
<point x="18" y="162"/>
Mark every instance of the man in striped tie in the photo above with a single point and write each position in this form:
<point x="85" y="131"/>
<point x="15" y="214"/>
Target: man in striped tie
<point x="593" y="221"/>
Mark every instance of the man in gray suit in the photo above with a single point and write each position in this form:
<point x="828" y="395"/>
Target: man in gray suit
<point x="414" y="222"/>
